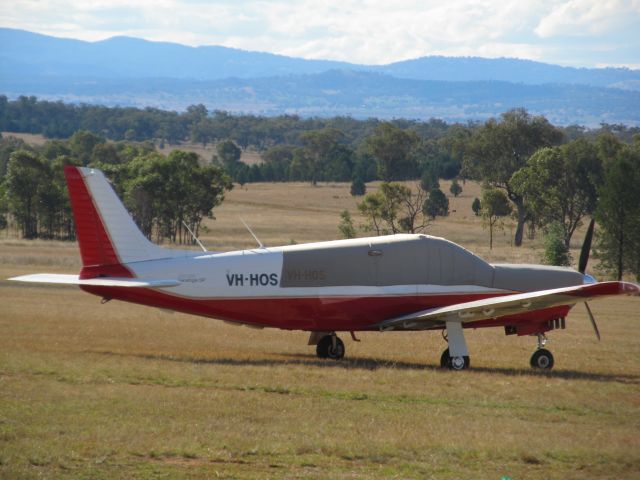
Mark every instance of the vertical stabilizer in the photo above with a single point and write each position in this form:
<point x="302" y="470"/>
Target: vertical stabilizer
<point x="107" y="234"/>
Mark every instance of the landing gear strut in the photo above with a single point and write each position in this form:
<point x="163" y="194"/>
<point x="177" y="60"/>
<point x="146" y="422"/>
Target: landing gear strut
<point x="330" y="346"/>
<point x="542" y="358"/>
<point x="456" y="357"/>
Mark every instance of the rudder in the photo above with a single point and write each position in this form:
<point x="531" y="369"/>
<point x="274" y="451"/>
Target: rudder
<point x="107" y="235"/>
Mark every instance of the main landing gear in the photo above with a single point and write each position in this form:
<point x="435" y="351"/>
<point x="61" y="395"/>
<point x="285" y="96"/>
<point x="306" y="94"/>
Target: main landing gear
<point x="456" y="357"/>
<point x="328" y="346"/>
<point x="542" y="358"/>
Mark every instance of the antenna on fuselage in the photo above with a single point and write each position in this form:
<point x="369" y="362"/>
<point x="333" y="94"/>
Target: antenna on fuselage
<point x="251" y="232"/>
<point x="194" y="236"/>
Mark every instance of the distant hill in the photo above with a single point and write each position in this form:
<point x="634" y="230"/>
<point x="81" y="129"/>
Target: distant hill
<point x="129" y="71"/>
<point x="510" y="70"/>
<point x="125" y="57"/>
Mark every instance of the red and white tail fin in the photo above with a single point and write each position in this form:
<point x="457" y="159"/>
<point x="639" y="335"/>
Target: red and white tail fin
<point x="107" y="235"/>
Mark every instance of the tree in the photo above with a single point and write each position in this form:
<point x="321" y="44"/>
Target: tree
<point x="455" y="188"/>
<point x="394" y="208"/>
<point x="34" y="193"/>
<point x="346" y="228"/>
<point x="82" y="144"/>
<point x="26" y="175"/>
<point x="392" y="147"/>
<point x="437" y="204"/>
<point x="9" y="145"/>
<point x="301" y="167"/>
<point x="202" y="132"/>
<point x="163" y="192"/>
<point x="559" y="185"/>
<point x="228" y="154"/>
<point x="498" y="149"/>
<point x="429" y="179"/>
<point x="320" y="144"/>
<point x="105" y="153"/>
<point x="495" y="205"/>
<point x="279" y="159"/>
<point x="358" y="187"/>
<point x="55" y="148"/>
<point x="476" y="206"/>
<point x="556" y="252"/>
<point x="618" y="215"/>
<point x="372" y="208"/>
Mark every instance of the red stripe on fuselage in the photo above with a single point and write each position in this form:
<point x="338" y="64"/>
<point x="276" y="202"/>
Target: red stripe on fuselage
<point x="99" y="257"/>
<point x="307" y="313"/>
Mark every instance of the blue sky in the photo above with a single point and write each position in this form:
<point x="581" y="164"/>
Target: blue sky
<point x="590" y="33"/>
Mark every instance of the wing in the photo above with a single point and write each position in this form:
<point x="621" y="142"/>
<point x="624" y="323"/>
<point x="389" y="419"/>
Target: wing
<point x="503" y="306"/>
<point x="99" y="282"/>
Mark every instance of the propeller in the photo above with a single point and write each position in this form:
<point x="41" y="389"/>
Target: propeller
<point x="582" y="267"/>
<point x="593" y="320"/>
<point x="586" y="248"/>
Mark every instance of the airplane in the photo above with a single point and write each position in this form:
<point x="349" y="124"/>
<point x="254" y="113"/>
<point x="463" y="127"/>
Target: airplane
<point x="403" y="282"/>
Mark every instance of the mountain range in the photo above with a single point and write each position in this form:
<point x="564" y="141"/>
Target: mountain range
<point x="134" y="72"/>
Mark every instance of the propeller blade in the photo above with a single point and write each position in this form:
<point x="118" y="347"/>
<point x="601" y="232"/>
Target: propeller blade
<point x="586" y="248"/>
<point x="593" y="320"/>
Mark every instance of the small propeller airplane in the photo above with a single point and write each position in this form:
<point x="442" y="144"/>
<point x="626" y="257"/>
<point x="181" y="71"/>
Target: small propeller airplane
<point x="389" y="283"/>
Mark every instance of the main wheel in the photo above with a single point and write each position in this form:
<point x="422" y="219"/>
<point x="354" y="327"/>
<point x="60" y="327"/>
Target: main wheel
<point x="455" y="363"/>
<point x="322" y="347"/>
<point x="542" y="358"/>
<point x="325" y="348"/>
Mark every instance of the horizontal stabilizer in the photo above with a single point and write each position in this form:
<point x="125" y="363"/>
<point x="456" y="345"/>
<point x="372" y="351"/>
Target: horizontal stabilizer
<point x="98" y="282"/>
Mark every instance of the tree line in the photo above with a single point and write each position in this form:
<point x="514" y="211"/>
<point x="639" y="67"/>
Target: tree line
<point x="544" y="175"/>
<point x="527" y="167"/>
<point x="163" y="193"/>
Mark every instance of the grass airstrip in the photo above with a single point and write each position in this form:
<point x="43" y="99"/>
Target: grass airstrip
<point x="123" y="391"/>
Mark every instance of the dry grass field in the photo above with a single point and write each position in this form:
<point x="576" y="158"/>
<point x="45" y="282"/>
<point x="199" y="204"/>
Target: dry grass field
<point x="29" y="138"/>
<point x="122" y="391"/>
<point x="206" y="152"/>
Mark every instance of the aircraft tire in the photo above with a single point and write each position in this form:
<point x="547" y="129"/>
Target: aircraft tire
<point x="325" y="348"/>
<point x="447" y="362"/>
<point x="338" y="352"/>
<point x="322" y="348"/>
<point x="542" y="359"/>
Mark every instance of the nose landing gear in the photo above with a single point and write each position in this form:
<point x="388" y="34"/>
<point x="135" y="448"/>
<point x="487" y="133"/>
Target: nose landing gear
<point x="454" y="363"/>
<point x="456" y="357"/>
<point x="542" y="358"/>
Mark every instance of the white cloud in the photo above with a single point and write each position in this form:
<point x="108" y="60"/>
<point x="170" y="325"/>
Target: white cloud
<point x="365" y="31"/>
<point x="590" y="17"/>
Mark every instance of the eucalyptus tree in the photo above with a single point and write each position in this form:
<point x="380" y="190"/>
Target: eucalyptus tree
<point x="560" y="185"/>
<point x="499" y="148"/>
<point x="618" y="215"/>
<point x="393" y="149"/>
<point x="495" y="206"/>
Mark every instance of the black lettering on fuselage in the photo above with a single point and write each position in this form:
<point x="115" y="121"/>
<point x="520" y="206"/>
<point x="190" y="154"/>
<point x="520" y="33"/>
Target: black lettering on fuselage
<point x="252" y="279"/>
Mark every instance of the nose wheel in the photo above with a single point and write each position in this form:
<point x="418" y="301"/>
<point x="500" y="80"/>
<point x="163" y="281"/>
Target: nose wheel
<point x="456" y="357"/>
<point x="542" y="358"/>
<point x="454" y="363"/>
